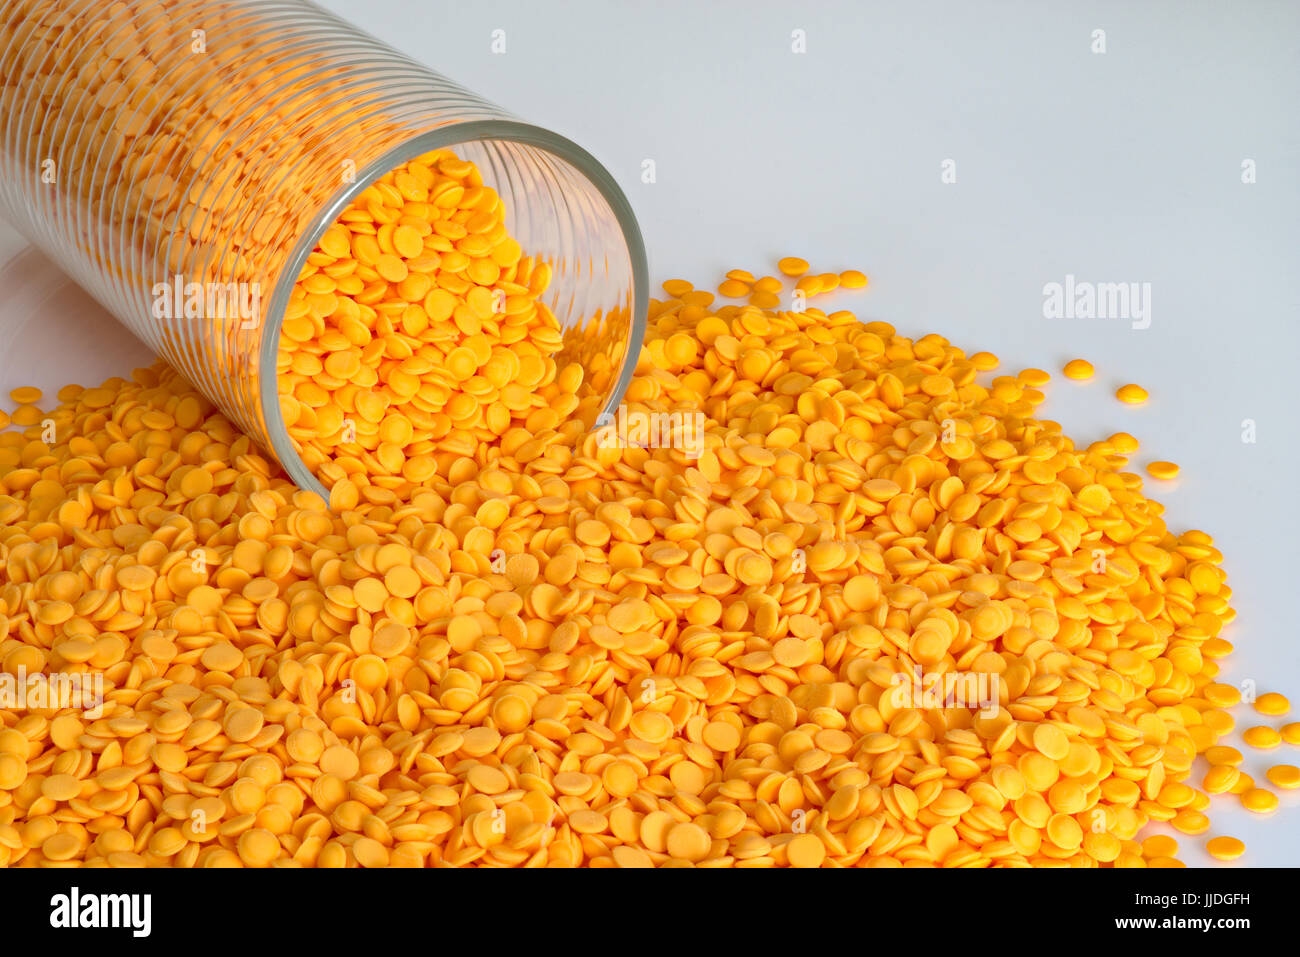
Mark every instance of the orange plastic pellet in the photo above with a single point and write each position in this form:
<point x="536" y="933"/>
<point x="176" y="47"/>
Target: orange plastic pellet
<point x="1259" y="800"/>
<point x="1262" y="737"/>
<point x="1079" y="369"/>
<point x="1272" y="704"/>
<point x="1220" y="779"/>
<point x="1222" y="695"/>
<point x="1159" y="845"/>
<point x="1225" y="848"/>
<point x="1285" y="776"/>
<point x="1222" y="754"/>
<point x="1123" y="443"/>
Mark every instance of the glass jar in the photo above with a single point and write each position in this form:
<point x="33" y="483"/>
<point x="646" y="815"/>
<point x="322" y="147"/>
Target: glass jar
<point x="160" y="150"/>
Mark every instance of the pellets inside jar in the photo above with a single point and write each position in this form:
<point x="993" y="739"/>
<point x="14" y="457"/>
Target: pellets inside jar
<point x="416" y="332"/>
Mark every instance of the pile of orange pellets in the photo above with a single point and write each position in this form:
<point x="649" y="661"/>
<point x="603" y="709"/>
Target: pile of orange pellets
<point x="507" y="641"/>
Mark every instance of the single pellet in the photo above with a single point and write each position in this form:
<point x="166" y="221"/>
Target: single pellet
<point x="1132" y="394"/>
<point x="1079" y="369"/>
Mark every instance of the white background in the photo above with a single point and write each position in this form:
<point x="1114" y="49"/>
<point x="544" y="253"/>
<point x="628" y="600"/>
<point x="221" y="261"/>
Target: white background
<point x="1117" y="167"/>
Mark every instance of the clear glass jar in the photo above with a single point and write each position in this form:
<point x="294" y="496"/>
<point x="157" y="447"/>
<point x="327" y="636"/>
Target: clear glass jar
<point x="148" y="145"/>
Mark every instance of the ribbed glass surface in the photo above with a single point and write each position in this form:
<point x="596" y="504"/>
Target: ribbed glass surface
<point x="151" y="145"/>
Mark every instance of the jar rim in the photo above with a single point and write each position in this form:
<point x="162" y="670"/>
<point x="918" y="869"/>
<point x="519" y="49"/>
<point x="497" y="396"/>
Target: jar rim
<point x="439" y="138"/>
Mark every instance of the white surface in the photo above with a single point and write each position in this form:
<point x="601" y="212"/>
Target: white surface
<point x="1118" y="167"/>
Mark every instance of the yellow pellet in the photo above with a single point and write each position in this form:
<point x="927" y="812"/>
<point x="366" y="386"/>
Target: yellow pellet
<point x="806" y="850"/>
<point x="1132" y="394"/>
<point x="1220" y="722"/>
<point x="1259" y="800"/>
<point x="1123" y="443"/>
<point x="26" y="415"/>
<point x="1159" y="845"/>
<point x="1262" y="737"/>
<point x="1291" y="732"/>
<point x="790" y="266"/>
<point x="689" y="842"/>
<point x="853" y="279"/>
<point x="1220" y="779"/>
<point x="722" y="736"/>
<point x="1222" y="695"/>
<point x="1285" y="776"/>
<point x="1272" y="704"/>
<point x="810" y="286"/>
<point x="1190" y="821"/>
<point x="1078" y="369"/>
<point x="1225" y="848"/>
<point x="1162" y="470"/>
